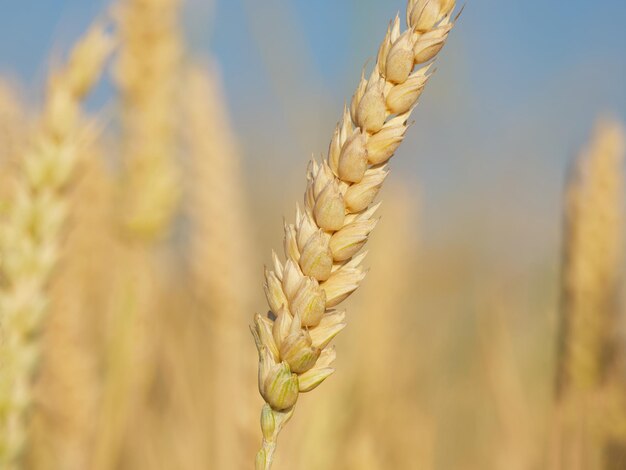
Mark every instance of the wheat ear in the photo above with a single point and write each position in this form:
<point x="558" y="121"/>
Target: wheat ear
<point x="146" y="74"/>
<point x="31" y="236"/>
<point x="322" y="246"/>
<point x="591" y="275"/>
<point x="13" y="131"/>
<point x="68" y="382"/>
<point x="13" y="122"/>
<point x="592" y="265"/>
<point x="220" y="260"/>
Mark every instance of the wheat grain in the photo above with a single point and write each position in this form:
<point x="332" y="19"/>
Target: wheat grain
<point x="30" y="239"/>
<point x="322" y="247"/>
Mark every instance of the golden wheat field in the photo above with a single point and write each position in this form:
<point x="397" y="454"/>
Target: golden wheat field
<point x="226" y="243"/>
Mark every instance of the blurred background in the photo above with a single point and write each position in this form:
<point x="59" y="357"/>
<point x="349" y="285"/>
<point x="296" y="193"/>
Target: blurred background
<point x="449" y="358"/>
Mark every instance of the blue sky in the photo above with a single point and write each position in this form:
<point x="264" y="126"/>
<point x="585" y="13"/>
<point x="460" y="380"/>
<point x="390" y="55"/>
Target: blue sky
<point x="509" y="52"/>
<point x="512" y="49"/>
<point x="516" y="92"/>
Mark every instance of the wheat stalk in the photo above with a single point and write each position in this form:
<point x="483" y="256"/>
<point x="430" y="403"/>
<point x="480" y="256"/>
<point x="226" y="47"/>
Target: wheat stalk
<point x="322" y="247"/>
<point x="31" y="235"/>
<point x="146" y="74"/>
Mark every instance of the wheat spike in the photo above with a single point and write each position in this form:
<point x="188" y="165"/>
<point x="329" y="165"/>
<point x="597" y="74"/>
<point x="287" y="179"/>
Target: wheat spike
<point x="13" y="131"/>
<point x="322" y="246"/>
<point x="13" y="122"/>
<point x="31" y="235"/>
<point x="219" y="259"/>
<point x="69" y="382"/>
<point x="146" y="74"/>
<point x="593" y="250"/>
<point x="591" y="275"/>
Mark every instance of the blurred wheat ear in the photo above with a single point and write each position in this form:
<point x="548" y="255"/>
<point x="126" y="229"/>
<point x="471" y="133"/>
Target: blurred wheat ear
<point x="592" y="269"/>
<point x="322" y="248"/>
<point x="147" y="72"/>
<point x="14" y="128"/>
<point x="220" y="262"/>
<point x="31" y="237"/>
<point x="14" y="124"/>
<point x="70" y="380"/>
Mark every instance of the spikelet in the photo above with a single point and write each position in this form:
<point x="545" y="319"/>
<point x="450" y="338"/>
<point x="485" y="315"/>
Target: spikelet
<point x="220" y="262"/>
<point x="323" y="245"/>
<point x="31" y="235"/>
<point x="591" y="275"/>
<point x="147" y="76"/>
